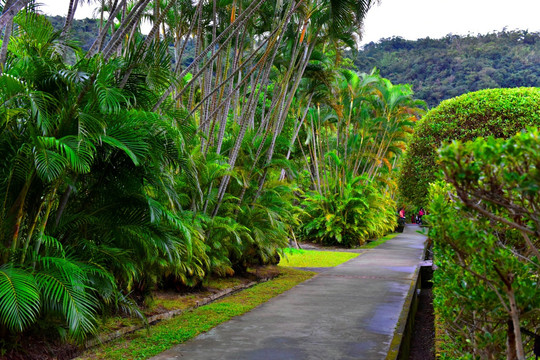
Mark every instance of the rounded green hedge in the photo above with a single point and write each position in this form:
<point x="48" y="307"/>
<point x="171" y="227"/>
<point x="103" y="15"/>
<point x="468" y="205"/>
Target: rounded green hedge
<point x="497" y="112"/>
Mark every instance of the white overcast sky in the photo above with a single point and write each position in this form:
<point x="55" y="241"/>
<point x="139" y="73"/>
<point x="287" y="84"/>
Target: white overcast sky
<point x="413" y="19"/>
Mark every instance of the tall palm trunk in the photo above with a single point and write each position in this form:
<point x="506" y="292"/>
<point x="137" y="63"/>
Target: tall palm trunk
<point x="100" y="39"/>
<point x="7" y="35"/>
<point x="9" y="13"/>
<point x="297" y="128"/>
<point x="70" y="15"/>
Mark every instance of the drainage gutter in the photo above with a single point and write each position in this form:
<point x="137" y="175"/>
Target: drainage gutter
<point x="400" y="344"/>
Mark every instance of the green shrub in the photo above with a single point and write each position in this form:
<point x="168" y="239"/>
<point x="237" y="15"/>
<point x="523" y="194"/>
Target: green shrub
<point x="497" y="112"/>
<point x="485" y="228"/>
<point x="348" y="218"/>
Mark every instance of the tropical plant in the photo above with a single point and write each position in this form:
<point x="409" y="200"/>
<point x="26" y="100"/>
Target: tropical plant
<point x="84" y="178"/>
<point x="350" y="217"/>
<point x="353" y="149"/>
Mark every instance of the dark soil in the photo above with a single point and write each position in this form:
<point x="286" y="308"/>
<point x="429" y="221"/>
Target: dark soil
<point x="422" y="343"/>
<point x="40" y="348"/>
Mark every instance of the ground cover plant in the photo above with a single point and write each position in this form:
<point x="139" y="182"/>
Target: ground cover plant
<point x="314" y="258"/>
<point x="486" y="231"/>
<point x="497" y="112"/>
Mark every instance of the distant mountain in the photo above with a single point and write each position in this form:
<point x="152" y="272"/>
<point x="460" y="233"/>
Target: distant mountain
<point x="83" y="31"/>
<point x="444" y="68"/>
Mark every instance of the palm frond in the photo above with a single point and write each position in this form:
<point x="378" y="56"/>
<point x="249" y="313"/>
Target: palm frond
<point x="19" y="298"/>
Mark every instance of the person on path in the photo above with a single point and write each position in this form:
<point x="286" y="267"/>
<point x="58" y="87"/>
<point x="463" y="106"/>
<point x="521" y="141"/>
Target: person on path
<point x="420" y="214"/>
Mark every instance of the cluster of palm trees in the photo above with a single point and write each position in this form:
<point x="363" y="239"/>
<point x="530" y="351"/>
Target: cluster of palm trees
<point x="132" y="165"/>
<point x="352" y="148"/>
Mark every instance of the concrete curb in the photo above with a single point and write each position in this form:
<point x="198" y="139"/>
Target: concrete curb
<point x="170" y="314"/>
<point x="401" y="327"/>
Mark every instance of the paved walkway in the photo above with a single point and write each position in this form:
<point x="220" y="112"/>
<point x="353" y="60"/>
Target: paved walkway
<point x="347" y="312"/>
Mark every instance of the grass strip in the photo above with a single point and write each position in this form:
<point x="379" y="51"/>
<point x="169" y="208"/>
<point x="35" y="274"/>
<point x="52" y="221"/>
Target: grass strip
<point x="378" y="242"/>
<point x="164" y="335"/>
<point x="314" y="258"/>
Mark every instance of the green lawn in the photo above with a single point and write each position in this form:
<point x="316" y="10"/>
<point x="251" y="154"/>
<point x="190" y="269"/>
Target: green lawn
<point x="314" y="258"/>
<point x="378" y="242"/>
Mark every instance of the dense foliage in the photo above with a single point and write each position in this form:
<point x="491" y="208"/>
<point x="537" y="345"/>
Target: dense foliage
<point x="497" y="112"/>
<point x="354" y="146"/>
<point x="439" y="69"/>
<point x="127" y="168"/>
<point x="486" y="232"/>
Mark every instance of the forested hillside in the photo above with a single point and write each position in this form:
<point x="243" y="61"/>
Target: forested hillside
<point x="444" y="68"/>
<point x="82" y="31"/>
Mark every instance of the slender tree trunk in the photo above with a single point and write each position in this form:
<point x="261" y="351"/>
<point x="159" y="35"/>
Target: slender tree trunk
<point x="157" y="19"/>
<point x="97" y="45"/>
<point x="31" y="232"/>
<point x="295" y="135"/>
<point x="7" y="37"/>
<point x="69" y="17"/>
<point x="5" y="42"/>
<point x="514" y="313"/>
<point x="44" y="222"/>
<point x="8" y="15"/>
<point x="225" y="113"/>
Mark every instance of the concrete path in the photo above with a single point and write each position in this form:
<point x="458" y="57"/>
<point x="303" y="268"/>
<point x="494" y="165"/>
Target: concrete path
<point x="346" y="312"/>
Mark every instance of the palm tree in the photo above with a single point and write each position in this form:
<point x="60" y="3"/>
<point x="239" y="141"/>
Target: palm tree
<point x="86" y="176"/>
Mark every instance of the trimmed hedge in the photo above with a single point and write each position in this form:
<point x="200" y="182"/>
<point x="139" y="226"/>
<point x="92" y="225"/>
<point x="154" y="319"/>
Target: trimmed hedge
<point x="498" y="112"/>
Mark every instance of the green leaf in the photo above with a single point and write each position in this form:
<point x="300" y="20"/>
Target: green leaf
<point x="19" y="298"/>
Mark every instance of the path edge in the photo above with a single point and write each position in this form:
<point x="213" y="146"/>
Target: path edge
<point x="151" y="320"/>
<point x="401" y="327"/>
